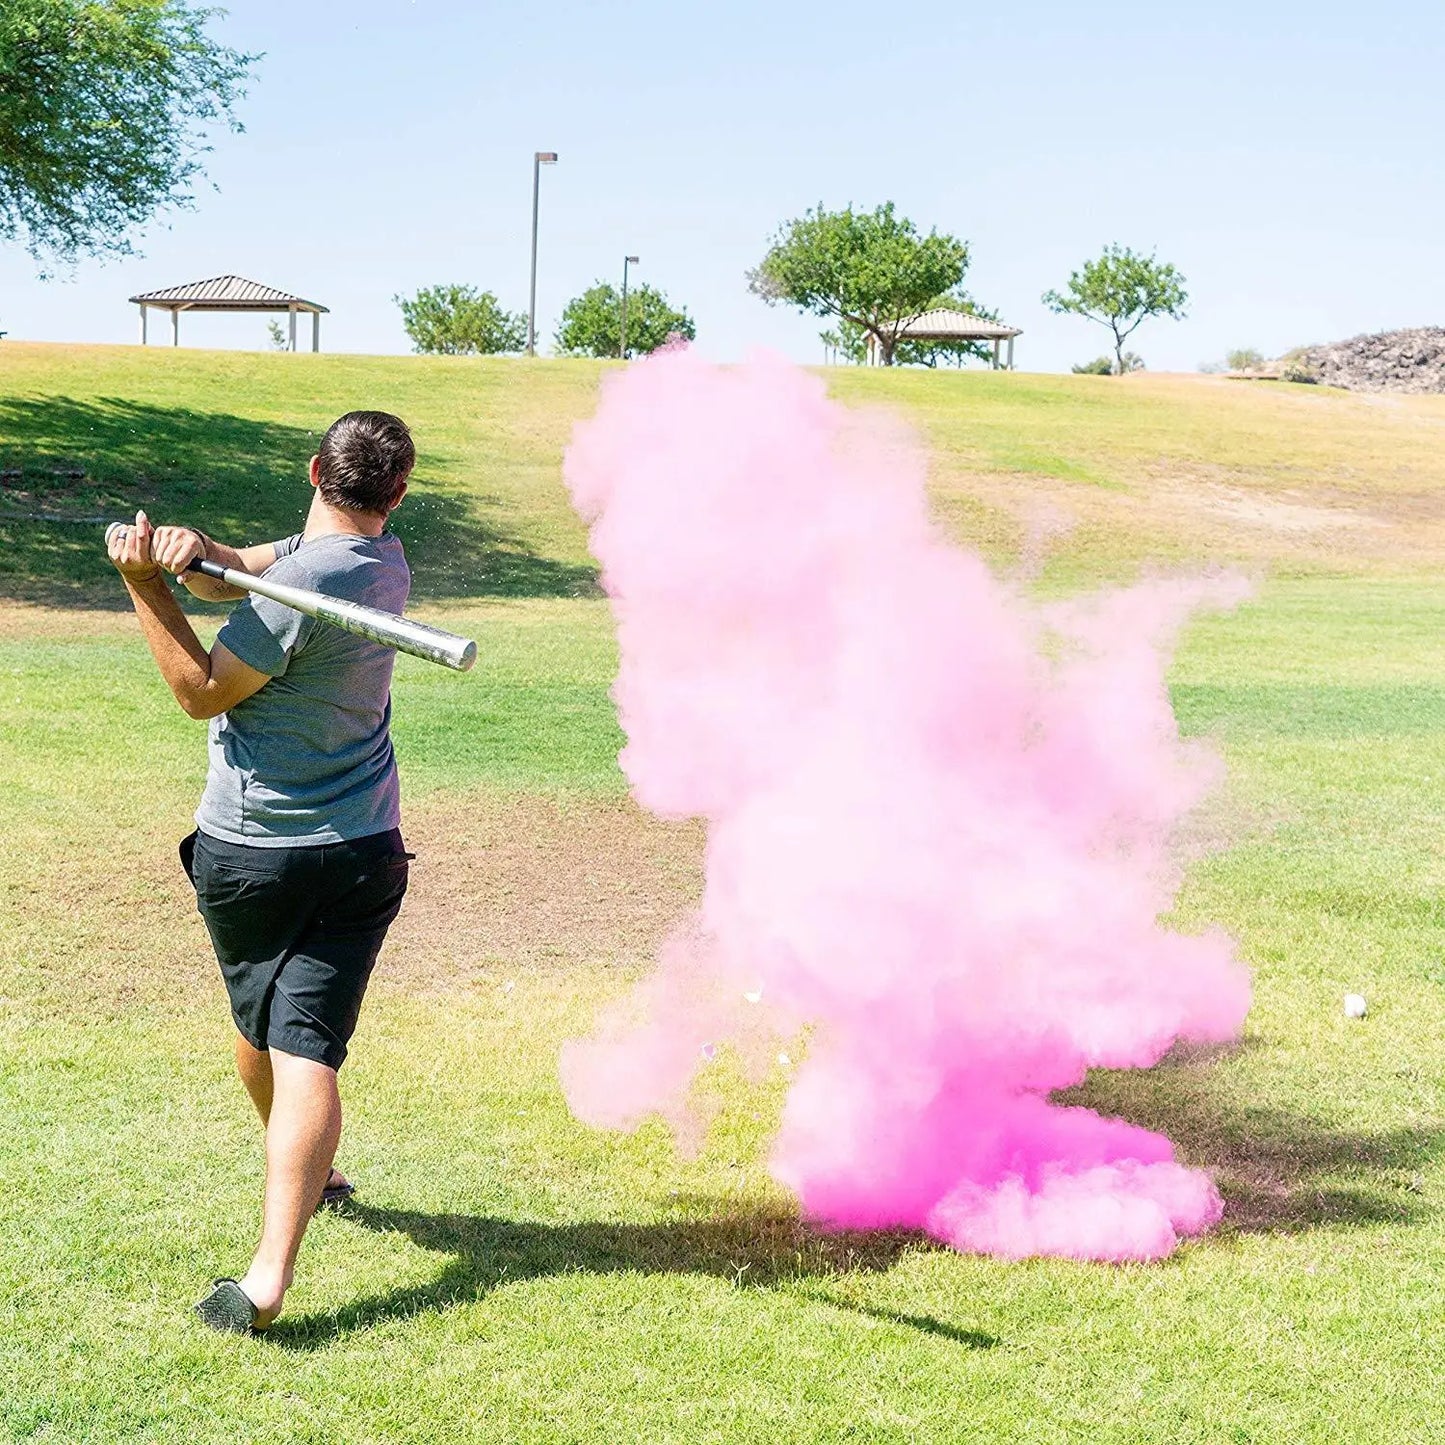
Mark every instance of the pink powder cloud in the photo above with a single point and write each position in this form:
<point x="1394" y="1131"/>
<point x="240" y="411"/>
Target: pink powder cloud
<point x="939" y="822"/>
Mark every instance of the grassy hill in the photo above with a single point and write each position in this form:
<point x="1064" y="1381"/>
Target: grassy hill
<point x="512" y="1276"/>
<point x="1143" y="468"/>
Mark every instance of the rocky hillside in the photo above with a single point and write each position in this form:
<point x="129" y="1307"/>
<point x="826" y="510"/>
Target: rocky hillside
<point x="1390" y="361"/>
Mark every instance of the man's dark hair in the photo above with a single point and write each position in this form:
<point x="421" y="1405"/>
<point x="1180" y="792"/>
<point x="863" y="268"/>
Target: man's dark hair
<point x="365" y="457"/>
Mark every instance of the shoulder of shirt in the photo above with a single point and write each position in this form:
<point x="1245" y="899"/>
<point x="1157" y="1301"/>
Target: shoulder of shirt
<point x="314" y="561"/>
<point x="354" y="541"/>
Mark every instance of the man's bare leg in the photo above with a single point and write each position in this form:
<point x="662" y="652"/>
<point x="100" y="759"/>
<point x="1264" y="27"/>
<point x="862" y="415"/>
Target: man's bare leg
<point x="302" y="1133"/>
<point x="254" y="1067"/>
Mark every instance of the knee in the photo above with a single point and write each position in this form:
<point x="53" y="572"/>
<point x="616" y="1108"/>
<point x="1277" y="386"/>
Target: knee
<point x="295" y="1073"/>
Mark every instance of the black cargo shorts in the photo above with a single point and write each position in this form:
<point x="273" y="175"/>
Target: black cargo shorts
<point x="297" y="932"/>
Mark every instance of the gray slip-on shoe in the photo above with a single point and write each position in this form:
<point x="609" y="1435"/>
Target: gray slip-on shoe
<point x="227" y="1309"/>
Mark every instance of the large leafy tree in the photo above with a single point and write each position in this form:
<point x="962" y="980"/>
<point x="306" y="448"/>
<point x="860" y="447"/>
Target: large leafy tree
<point x="104" y="106"/>
<point x="592" y="322"/>
<point x="871" y="270"/>
<point x="1121" y="290"/>
<point x="460" y="321"/>
<point x="851" y="341"/>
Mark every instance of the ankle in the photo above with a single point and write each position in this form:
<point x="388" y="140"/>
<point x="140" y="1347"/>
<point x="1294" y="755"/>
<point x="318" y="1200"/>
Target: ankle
<point x="265" y="1286"/>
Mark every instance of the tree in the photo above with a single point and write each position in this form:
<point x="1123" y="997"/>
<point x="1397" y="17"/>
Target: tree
<point x="460" y="321"/>
<point x="871" y="269"/>
<point x="851" y="340"/>
<point x="1121" y="290"/>
<point x="592" y="322"/>
<point x="103" y="106"/>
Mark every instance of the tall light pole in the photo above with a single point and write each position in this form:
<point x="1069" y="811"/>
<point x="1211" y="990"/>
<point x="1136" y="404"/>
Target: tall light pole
<point x="542" y="158"/>
<point x="626" y="262"/>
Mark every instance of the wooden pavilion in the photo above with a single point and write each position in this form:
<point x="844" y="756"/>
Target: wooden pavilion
<point x="947" y="325"/>
<point x="228" y="293"/>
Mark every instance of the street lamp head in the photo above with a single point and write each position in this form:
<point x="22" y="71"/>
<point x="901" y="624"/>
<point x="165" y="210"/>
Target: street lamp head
<point x="546" y="158"/>
<point x="632" y="260"/>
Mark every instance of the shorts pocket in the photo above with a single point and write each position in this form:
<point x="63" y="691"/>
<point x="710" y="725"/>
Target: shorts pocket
<point x="217" y="885"/>
<point x="221" y="882"/>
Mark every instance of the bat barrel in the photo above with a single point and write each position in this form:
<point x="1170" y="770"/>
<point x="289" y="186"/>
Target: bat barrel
<point x="403" y="633"/>
<point x="390" y="630"/>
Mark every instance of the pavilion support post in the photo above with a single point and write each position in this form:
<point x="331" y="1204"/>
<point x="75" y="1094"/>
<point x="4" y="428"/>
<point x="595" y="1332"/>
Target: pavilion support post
<point x="175" y="325"/>
<point x="995" y="353"/>
<point x="315" y="331"/>
<point x="292" y="314"/>
<point x="142" y="323"/>
<point x="1011" y="353"/>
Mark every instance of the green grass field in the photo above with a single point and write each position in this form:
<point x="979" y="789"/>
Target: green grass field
<point x="511" y="1276"/>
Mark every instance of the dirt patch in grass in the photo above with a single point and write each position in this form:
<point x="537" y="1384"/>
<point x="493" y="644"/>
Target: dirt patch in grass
<point x="1198" y="512"/>
<point x="514" y="883"/>
<point x="1285" y="513"/>
<point x="30" y="622"/>
<point x="501" y="886"/>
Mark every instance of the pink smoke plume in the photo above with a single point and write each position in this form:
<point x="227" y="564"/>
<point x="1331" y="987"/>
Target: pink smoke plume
<point x="939" y="823"/>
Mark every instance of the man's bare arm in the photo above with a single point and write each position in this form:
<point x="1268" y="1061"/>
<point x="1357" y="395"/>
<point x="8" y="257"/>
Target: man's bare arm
<point x="205" y="684"/>
<point x="175" y="548"/>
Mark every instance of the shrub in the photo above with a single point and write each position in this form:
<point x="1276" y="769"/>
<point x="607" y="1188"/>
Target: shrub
<point x="460" y="321"/>
<point x="1296" y="366"/>
<point x="1100" y="366"/>
<point x="592" y="322"/>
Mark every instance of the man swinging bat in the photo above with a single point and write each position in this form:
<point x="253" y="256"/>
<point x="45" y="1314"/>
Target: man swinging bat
<point x="297" y="858"/>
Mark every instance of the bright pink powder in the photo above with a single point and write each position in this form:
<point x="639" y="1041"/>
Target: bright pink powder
<point x="939" y="817"/>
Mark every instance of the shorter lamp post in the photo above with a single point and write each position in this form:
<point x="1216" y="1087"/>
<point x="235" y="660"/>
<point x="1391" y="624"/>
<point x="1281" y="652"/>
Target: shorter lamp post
<point x="540" y="159"/>
<point x="626" y="262"/>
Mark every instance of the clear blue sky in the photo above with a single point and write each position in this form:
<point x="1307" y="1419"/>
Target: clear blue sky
<point x="1285" y="156"/>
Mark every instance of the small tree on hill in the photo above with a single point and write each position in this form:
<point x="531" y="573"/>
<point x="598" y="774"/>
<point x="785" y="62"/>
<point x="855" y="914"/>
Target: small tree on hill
<point x="460" y="321"/>
<point x="103" y="106"/>
<point x="592" y="322"/>
<point x="1121" y="290"/>
<point x="869" y="269"/>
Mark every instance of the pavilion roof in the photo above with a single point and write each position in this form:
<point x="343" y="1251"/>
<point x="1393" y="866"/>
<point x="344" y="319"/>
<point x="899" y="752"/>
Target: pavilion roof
<point x="949" y="325"/>
<point x="226" y="293"/>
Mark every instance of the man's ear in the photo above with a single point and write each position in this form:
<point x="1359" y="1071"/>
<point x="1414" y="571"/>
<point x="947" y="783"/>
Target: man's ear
<point x="396" y="500"/>
<point x="315" y="471"/>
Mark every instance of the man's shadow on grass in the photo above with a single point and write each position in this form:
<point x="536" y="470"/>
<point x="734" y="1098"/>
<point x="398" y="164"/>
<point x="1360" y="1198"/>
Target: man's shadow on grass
<point x="1279" y="1173"/>
<point x="754" y="1250"/>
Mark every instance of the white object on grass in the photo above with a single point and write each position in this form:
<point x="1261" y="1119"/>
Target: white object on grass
<point x="1355" y="1006"/>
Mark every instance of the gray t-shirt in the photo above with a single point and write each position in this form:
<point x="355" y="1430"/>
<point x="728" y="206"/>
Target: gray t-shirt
<point x="307" y="759"/>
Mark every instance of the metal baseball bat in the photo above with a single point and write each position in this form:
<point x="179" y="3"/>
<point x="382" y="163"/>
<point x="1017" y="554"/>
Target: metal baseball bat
<point x="387" y="628"/>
